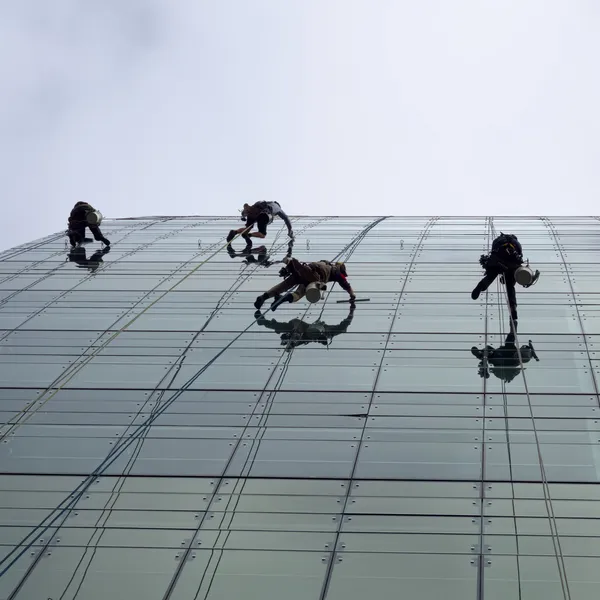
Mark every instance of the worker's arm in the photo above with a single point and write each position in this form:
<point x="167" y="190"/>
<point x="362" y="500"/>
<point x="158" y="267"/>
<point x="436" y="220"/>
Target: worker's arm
<point x="341" y="279"/>
<point x="277" y="211"/>
<point x="287" y="222"/>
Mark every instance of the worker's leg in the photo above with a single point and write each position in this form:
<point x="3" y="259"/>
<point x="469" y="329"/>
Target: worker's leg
<point x="289" y="297"/>
<point x="287" y="284"/>
<point x="509" y="280"/>
<point x="246" y="228"/>
<point x="76" y="235"/>
<point x="298" y="293"/>
<point x="98" y="234"/>
<point x="485" y="283"/>
<point x="261" y="224"/>
<point x="510" y="338"/>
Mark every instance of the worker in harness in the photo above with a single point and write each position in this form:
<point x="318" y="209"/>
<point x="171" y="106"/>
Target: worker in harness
<point x="504" y="259"/>
<point x="504" y="361"/>
<point x="78" y="256"/>
<point x="260" y="214"/>
<point x="301" y="274"/>
<point x="78" y="221"/>
<point x="297" y="332"/>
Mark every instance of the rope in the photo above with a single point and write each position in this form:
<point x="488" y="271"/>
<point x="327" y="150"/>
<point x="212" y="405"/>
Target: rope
<point x="68" y="503"/>
<point x="545" y="486"/>
<point x="27" y="414"/>
<point x="359" y="442"/>
<point x="286" y="358"/>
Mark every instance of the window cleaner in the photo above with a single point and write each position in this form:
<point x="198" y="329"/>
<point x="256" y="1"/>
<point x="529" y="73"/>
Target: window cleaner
<point x="84" y="215"/>
<point x="506" y="260"/>
<point x="309" y="279"/>
<point x="260" y="214"/>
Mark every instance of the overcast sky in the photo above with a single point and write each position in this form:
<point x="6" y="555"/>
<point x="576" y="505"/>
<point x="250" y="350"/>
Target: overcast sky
<point x="328" y="106"/>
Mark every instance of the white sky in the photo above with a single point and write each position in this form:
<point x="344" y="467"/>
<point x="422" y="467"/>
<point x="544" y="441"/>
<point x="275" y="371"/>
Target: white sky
<point x="328" y="106"/>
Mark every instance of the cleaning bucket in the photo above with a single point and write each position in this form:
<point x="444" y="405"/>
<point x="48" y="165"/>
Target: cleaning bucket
<point x="524" y="275"/>
<point x="313" y="291"/>
<point x="94" y="217"/>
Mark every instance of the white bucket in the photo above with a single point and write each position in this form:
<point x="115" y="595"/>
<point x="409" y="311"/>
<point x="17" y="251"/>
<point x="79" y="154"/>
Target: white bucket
<point x="313" y="291"/>
<point x="524" y="275"/>
<point x="94" y="217"/>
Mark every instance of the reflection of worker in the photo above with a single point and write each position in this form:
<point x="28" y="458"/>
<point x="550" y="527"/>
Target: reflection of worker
<point x="504" y="361"/>
<point x="301" y="274"/>
<point x="248" y="253"/>
<point x="297" y="332"/>
<point x="78" y="255"/>
<point x="260" y="214"/>
<point x="261" y="258"/>
<point x="78" y="222"/>
<point x="505" y="257"/>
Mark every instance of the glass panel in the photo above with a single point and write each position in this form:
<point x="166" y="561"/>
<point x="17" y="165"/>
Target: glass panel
<point x="360" y="575"/>
<point x="383" y="427"/>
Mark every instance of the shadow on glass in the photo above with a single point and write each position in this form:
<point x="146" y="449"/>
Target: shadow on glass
<point x="504" y="362"/>
<point x="298" y="332"/>
<point x="78" y="256"/>
<point x="259" y="255"/>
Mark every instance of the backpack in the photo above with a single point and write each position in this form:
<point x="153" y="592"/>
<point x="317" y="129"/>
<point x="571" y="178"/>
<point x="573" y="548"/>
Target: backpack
<point x="506" y="244"/>
<point x="256" y="209"/>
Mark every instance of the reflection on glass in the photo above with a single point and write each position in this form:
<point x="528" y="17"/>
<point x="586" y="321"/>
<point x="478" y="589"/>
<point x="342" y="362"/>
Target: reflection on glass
<point x="321" y="453"/>
<point x="505" y="361"/>
<point x="78" y="256"/>
<point x="298" y="332"/>
<point x="259" y="255"/>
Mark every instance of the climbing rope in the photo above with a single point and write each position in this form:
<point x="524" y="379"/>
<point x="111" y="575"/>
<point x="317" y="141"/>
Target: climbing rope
<point x="558" y="553"/>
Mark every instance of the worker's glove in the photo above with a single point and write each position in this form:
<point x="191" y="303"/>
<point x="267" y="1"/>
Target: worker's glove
<point x="502" y="281"/>
<point x="352" y="301"/>
<point x="291" y="234"/>
<point x="284" y="272"/>
<point x="484" y="259"/>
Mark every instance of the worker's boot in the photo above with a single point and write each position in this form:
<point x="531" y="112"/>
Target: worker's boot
<point x="260" y="301"/>
<point x="279" y="301"/>
<point x="475" y="293"/>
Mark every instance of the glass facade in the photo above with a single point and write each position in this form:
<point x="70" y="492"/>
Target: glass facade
<point x="161" y="442"/>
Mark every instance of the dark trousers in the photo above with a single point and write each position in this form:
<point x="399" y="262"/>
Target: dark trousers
<point x="77" y="234"/>
<point x="509" y="279"/>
